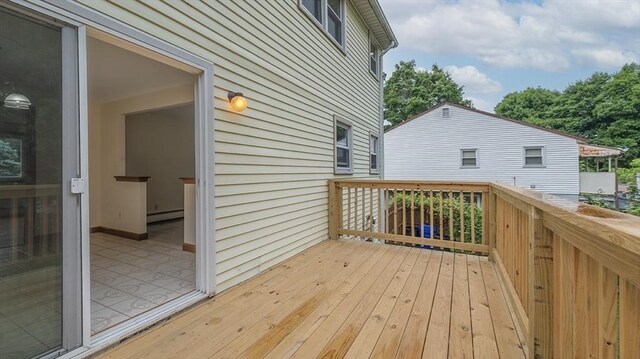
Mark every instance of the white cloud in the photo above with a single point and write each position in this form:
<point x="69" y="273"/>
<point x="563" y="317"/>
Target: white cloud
<point x="474" y="81"/>
<point x="605" y="57"/>
<point x="482" y="104"/>
<point x="552" y="36"/>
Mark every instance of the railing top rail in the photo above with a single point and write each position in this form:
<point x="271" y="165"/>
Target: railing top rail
<point x="20" y="190"/>
<point x="415" y="185"/>
<point x="620" y="229"/>
<point x="408" y="182"/>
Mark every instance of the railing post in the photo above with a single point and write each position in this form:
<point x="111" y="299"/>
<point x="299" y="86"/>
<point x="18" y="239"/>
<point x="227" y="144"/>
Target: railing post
<point x="491" y="218"/>
<point x="335" y="209"/>
<point x="540" y="287"/>
<point x="333" y="228"/>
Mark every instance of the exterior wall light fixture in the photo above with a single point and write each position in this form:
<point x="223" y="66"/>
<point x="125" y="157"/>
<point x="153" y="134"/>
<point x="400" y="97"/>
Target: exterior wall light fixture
<point x="237" y="100"/>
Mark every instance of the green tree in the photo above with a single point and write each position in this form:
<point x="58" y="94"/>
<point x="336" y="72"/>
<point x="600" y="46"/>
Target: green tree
<point x="410" y="91"/>
<point x="530" y="104"/>
<point x="604" y="108"/>
<point x="628" y="175"/>
<point x="9" y="159"/>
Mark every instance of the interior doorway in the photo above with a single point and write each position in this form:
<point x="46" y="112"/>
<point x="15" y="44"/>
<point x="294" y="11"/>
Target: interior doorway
<point x="142" y="146"/>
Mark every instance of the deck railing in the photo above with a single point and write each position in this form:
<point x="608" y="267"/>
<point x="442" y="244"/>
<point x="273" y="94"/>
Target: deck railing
<point x="571" y="271"/>
<point x="30" y="216"/>
<point x="443" y="215"/>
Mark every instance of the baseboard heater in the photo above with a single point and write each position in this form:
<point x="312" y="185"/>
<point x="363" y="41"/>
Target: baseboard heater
<point x="165" y="215"/>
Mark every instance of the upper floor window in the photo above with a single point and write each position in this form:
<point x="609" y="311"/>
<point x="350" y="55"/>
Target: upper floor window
<point x="343" y="146"/>
<point x="469" y="158"/>
<point x="534" y="157"/>
<point x="374" y="58"/>
<point x="374" y="149"/>
<point x="445" y="112"/>
<point x="329" y="15"/>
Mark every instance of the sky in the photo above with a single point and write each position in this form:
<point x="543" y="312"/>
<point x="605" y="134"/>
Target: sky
<point x="494" y="47"/>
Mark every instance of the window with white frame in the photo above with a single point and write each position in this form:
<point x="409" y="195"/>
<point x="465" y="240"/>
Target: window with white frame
<point x="374" y="58"/>
<point x="374" y="149"/>
<point x="534" y="157"/>
<point x="469" y="158"/>
<point x="329" y="15"/>
<point x="343" y="146"/>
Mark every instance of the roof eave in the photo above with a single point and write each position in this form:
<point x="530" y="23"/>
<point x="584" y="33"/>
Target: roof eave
<point x="367" y="7"/>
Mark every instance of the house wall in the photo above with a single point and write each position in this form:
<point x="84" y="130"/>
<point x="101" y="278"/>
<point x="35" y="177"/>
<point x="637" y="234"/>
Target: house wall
<point x="161" y="144"/>
<point x="428" y="148"/>
<point x="598" y="182"/>
<point x="273" y="160"/>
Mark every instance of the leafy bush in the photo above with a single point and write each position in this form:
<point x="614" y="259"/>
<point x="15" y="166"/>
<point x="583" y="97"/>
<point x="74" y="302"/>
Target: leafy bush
<point x="425" y="200"/>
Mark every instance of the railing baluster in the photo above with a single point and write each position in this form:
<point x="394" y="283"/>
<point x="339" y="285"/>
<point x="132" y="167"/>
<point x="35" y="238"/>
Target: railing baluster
<point x="355" y="209"/>
<point x="364" y="212"/>
<point x="431" y="225"/>
<point x="462" y="234"/>
<point x="421" y="197"/>
<point x="379" y="210"/>
<point x="395" y="212"/>
<point x="349" y="208"/>
<point x="441" y="216"/>
<point x="371" y="228"/>
<point x="404" y="213"/>
<point x="451" y="236"/>
<point x="412" y="214"/>
<point x="472" y="204"/>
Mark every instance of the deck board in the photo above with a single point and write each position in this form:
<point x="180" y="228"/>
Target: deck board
<point x="346" y="298"/>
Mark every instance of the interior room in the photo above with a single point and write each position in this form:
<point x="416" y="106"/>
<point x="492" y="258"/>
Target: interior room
<point x="141" y="170"/>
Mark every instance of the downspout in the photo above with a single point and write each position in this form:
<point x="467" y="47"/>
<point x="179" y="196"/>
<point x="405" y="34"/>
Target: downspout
<point x="383" y="78"/>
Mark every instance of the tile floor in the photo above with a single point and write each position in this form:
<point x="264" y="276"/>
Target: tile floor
<point x="131" y="277"/>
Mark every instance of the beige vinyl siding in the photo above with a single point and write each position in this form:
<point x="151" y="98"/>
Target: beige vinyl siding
<point x="272" y="160"/>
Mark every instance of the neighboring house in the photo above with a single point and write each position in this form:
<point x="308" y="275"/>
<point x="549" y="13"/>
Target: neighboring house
<point x="309" y="74"/>
<point x="455" y="143"/>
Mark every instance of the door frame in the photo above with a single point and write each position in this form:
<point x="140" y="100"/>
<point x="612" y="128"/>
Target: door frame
<point x="87" y="20"/>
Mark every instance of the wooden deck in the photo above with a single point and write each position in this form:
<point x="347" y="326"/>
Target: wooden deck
<point x="347" y="299"/>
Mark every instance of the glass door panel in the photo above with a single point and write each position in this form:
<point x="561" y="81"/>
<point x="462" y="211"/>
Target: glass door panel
<point x="31" y="186"/>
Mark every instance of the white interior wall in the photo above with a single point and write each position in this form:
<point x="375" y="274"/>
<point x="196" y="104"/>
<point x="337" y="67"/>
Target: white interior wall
<point x="113" y="207"/>
<point x="160" y="144"/>
<point x="95" y="170"/>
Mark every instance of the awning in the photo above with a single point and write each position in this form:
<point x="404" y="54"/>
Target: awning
<point x="592" y="151"/>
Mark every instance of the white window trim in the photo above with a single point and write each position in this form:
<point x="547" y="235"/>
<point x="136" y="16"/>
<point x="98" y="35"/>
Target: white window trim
<point x="337" y="120"/>
<point x="378" y="52"/>
<point x="524" y="156"/>
<point x="324" y="24"/>
<point x="461" y="158"/>
<point x="374" y="171"/>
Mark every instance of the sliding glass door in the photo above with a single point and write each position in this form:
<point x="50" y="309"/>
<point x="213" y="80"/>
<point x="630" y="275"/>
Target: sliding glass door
<point x="39" y="216"/>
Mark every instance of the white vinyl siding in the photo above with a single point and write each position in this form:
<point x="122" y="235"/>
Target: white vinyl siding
<point x="428" y="148"/>
<point x="273" y="160"/>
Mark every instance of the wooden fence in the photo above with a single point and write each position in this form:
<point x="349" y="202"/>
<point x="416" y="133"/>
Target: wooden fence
<point x="570" y="271"/>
